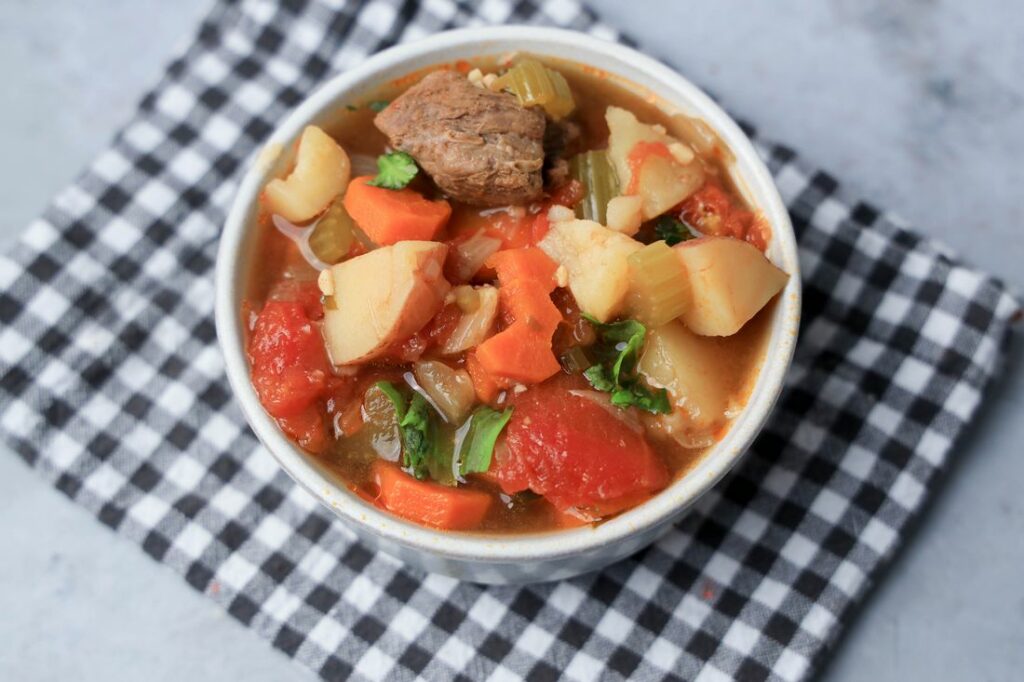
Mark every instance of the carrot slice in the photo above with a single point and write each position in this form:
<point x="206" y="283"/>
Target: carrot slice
<point x="528" y="264"/>
<point x="529" y="302"/>
<point x="486" y="386"/>
<point x="519" y="353"/>
<point x="393" y="215"/>
<point x="522" y="352"/>
<point x="429" y="503"/>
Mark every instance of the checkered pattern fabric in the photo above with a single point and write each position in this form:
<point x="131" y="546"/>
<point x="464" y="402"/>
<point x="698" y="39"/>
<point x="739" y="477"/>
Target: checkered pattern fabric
<point x="112" y="387"/>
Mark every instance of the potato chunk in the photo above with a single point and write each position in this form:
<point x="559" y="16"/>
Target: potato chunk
<point x="383" y="297"/>
<point x="684" y="364"/>
<point x="730" y="280"/>
<point x="321" y="172"/>
<point x="595" y="259"/>
<point x="625" y="214"/>
<point x="664" y="181"/>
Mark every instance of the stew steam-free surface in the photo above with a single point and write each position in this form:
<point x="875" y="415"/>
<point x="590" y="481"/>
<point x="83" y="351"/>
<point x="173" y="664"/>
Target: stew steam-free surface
<point x="508" y="296"/>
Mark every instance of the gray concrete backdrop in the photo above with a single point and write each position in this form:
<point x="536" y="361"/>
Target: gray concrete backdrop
<point x="917" y="105"/>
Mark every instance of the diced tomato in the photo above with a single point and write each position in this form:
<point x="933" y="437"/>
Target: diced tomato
<point x="712" y="212"/>
<point x="306" y="427"/>
<point x="569" y="449"/>
<point x="351" y="419"/>
<point x="289" y="364"/>
<point x="568" y="194"/>
<point x="435" y="333"/>
<point x="357" y="249"/>
<point x="410" y="349"/>
<point x="444" y="323"/>
<point x="305" y="292"/>
<point x="760" y="232"/>
<point x="539" y="227"/>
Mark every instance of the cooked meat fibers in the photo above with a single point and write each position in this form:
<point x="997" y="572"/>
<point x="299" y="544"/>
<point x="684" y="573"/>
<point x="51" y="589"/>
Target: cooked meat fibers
<point x="480" y="147"/>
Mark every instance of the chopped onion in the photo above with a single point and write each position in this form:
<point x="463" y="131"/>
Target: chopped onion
<point x="380" y="427"/>
<point x="449" y="390"/>
<point x="466" y="258"/>
<point x="331" y="236"/>
<point x="299" y="235"/>
<point x="473" y="327"/>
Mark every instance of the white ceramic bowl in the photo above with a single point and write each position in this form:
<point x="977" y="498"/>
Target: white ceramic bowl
<point x="529" y="557"/>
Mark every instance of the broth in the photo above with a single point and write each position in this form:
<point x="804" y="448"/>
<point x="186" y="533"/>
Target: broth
<point x="737" y="358"/>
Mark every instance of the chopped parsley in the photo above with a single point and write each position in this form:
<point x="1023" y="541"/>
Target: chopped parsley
<point x="378" y="105"/>
<point x="672" y="230"/>
<point x="417" y="424"/>
<point x="394" y="170"/>
<point x="481" y="433"/>
<point x="426" y="454"/>
<point x="618" y="350"/>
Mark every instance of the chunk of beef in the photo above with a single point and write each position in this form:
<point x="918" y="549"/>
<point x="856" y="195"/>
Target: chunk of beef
<point x="480" y="147"/>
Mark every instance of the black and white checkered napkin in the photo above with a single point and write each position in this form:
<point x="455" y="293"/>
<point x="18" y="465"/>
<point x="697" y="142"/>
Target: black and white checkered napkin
<point x="111" y="385"/>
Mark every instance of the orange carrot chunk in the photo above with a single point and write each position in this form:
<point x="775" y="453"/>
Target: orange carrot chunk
<point x="429" y="503"/>
<point x="393" y="215"/>
<point x="528" y="264"/>
<point x="519" y="353"/>
<point x="486" y="386"/>
<point x="529" y="302"/>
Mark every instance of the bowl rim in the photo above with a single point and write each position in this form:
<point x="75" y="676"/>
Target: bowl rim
<point x="667" y="85"/>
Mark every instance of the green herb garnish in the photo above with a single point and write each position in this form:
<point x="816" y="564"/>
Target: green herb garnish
<point x="394" y="171"/>
<point x="672" y="230"/>
<point x="422" y="455"/>
<point x="618" y="351"/>
<point x="378" y="105"/>
<point x="477" y="449"/>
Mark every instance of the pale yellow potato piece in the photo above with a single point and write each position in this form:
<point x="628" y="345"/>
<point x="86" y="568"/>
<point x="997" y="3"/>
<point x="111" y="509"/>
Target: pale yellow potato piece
<point x="382" y="297"/>
<point x="664" y="182"/>
<point x="474" y="325"/>
<point x="321" y="173"/>
<point x="730" y="280"/>
<point x="685" y="365"/>
<point x="595" y="259"/>
<point x="624" y="214"/>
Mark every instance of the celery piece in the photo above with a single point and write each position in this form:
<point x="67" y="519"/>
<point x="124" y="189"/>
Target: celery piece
<point x="658" y="287"/>
<point x="596" y="173"/>
<point x="536" y="85"/>
<point x="332" y="236"/>
<point x="563" y="102"/>
<point x="575" y="360"/>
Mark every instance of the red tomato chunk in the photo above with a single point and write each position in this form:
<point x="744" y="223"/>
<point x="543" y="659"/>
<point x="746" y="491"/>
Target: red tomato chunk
<point x="571" y="450"/>
<point x="290" y="370"/>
